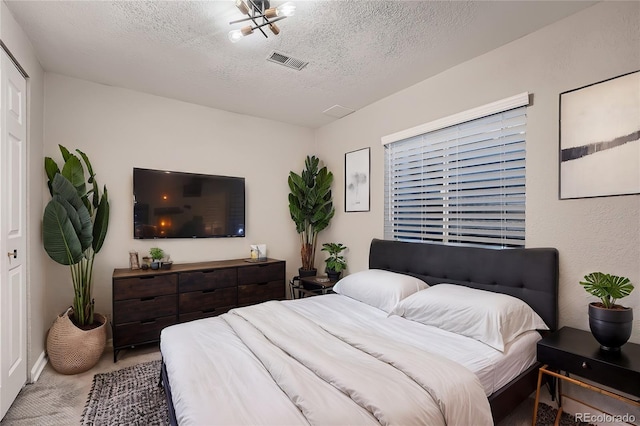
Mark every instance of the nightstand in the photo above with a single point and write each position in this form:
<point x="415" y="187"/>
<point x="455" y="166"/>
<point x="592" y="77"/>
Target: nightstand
<point x="577" y="352"/>
<point x="313" y="286"/>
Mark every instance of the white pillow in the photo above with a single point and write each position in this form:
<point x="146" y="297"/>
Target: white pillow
<point x="493" y="318"/>
<point x="379" y="288"/>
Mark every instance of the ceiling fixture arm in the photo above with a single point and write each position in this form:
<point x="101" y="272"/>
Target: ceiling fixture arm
<point x="260" y="9"/>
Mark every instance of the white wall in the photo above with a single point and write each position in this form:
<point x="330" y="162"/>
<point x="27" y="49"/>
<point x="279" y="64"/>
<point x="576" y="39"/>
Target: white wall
<point x="600" y="234"/>
<point x="37" y="308"/>
<point x="120" y="129"/>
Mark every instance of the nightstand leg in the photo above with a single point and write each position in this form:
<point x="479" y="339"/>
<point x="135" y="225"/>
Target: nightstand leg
<point x="535" y="405"/>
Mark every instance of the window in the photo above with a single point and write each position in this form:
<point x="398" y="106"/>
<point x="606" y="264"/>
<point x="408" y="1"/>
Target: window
<point x="460" y="184"/>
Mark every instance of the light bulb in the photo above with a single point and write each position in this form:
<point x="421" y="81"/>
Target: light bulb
<point x="242" y="7"/>
<point x="235" y="35"/>
<point x="286" y="9"/>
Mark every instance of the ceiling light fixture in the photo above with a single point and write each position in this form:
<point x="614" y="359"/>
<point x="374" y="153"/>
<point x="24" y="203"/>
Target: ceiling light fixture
<point x="260" y="10"/>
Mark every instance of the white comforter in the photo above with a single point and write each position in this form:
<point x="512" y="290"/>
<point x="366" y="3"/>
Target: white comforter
<point x="271" y="365"/>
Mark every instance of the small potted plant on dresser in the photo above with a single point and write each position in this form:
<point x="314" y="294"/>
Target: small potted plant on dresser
<point x="336" y="262"/>
<point x="156" y="255"/>
<point x="610" y="323"/>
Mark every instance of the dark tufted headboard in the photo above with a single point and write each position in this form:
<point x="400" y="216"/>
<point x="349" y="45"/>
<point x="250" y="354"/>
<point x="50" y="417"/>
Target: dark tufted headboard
<point x="530" y="274"/>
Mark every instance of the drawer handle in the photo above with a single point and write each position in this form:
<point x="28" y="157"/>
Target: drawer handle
<point x="147" y="278"/>
<point x="585" y="365"/>
<point x="208" y="311"/>
<point x="208" y="291"/>
<point x="148" y="321"/>
<point x="146" y="299"/>
<point x="263" y="283"/>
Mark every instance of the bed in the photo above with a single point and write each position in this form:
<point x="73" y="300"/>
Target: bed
<point x="371" y="354"/>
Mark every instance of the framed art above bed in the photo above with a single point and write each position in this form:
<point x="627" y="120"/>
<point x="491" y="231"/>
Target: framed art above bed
<point x="600" y="139"/>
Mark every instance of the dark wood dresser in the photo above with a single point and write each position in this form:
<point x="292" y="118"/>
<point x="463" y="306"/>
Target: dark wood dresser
<point x="146" y="301"/>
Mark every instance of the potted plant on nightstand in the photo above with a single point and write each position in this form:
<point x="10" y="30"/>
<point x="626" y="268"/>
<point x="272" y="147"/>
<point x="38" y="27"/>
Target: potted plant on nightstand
<point x="610" y="324"/>
<point x="74" y="227"/>
<point x="311" y="208"/>
<point x="336" y="262"/>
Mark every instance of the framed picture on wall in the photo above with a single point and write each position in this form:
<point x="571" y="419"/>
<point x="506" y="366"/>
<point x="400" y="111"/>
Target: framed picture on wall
<point x="600" y="139"/>
<point x="357" y="168"/>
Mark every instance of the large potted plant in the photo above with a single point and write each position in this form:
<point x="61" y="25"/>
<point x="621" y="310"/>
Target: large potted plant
<point x="74" y="227"/>
<point x="610" y="323"/>
<point x="336" y="263"/>
<point x="311" y="208"/>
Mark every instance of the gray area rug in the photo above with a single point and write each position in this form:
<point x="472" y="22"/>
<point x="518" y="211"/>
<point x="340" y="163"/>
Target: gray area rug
<point x="130" y="396"/>
<point x="547" y="416"/>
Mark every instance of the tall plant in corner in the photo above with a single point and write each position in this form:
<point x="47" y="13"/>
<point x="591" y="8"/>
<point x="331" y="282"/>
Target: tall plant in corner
<point x="310" y="206"/>
<point x="74" y="225"/>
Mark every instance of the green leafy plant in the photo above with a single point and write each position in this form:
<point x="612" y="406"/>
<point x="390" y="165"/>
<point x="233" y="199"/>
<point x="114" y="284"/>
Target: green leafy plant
<point x="156" y="253"/>
<point x="310" y="206"/>
<point x="607" y="287"/>
<point x="75" y="224"/>
<point x="335" y="262"/>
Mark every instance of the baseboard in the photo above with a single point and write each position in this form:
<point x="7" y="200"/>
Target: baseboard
<point x="38" y="367"/>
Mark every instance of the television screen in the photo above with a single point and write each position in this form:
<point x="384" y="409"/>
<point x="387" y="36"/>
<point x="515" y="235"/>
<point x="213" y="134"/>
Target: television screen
<point x="187" y="205"/>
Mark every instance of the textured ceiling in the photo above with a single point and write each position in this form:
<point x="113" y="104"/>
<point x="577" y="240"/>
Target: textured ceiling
<point x="358" y="51"/>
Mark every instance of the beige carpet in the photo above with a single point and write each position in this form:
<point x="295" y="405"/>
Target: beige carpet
<point x="56" y="399"/>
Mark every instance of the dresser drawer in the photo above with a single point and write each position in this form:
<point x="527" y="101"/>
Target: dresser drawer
<point x="190" y="316"/>
<point x="207" y="299"/>
<point x="207" y="280"/>
<point x="144" y="309"/>
<point x="255" y="274"/>
<point x="134" y="333"/>
<point x="146" y="286"/>
<point x="256" y="293"/>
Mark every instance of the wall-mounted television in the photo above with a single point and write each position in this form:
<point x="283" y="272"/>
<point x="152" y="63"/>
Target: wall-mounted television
<point x="170" y="204"/>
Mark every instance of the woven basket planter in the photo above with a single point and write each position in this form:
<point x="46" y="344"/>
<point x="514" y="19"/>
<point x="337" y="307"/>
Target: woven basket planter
<point x="72" y="350"/>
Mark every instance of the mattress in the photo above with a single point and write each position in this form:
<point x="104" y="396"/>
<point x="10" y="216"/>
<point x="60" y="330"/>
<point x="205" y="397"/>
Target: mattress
<point x="203" y="359"/>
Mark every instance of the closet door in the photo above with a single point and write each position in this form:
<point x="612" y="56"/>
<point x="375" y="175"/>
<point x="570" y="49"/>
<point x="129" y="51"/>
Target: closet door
<point x="13" y="280"/>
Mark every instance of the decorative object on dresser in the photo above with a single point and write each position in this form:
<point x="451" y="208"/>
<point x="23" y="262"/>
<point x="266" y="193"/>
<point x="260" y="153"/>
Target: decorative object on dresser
<point x="611" y="324"/>
<point x="311" y="208"/>
<point x="336" y="262"/>
<point x="74" y="227"/>
<point x="576" y="352"/>
<point x="157" y="254"/>
<point x="146" y="301"/>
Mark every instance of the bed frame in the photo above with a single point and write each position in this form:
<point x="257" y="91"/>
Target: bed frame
<point x="529" y="274"/>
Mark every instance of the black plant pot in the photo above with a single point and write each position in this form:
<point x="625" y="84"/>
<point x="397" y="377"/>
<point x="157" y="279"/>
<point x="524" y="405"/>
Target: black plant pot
<point x="307" y="272"/>
<point x="610" y="327"/>
<point x="333" y="275"/>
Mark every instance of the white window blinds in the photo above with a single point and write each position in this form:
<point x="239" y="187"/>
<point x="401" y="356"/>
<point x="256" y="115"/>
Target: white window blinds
<point x="463" y="184"/>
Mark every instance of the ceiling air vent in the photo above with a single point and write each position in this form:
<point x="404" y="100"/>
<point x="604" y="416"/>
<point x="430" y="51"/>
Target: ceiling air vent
<point x="287" y="61"/>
